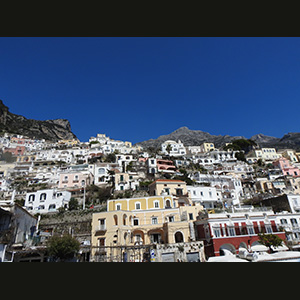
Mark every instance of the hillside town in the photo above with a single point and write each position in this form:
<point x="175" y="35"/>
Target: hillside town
<point x="128" y="203"/>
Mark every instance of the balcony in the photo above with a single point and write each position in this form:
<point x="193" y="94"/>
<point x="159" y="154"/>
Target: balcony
<point x="101" y="230"/>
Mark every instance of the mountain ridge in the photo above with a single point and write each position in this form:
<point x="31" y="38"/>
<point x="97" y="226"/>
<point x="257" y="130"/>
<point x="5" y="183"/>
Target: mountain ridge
<point x="196" y="137"/>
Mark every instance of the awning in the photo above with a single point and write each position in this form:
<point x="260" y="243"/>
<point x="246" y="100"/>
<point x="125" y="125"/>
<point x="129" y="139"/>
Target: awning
<point x="259" y="248"/>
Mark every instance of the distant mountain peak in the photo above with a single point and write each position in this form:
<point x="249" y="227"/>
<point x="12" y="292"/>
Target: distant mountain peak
<point x="196" y="137"/>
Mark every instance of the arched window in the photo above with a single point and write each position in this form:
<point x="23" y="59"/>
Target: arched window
<point x="52" y="207"/>
<point x="31" y="198"/>
<point x="124" y="219"/>
<point x="168" y="204"/>
<point x="101" y="171"/>
<point x="43" y="196"/>
<point x="178" y="237"/>
<point x="116" y="219"/>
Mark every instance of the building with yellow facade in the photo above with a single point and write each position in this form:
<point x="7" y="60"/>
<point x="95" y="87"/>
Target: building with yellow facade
<point x="142" y="223"/>
<point x="176" y="188"/>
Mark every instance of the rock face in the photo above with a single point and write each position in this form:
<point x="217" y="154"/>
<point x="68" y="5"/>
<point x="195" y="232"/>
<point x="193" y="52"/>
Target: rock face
<point x="51" y="130"/>
<point x="196" y="137"/>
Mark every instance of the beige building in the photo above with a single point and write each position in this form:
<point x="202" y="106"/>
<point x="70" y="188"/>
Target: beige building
<point x="207" y="147"/>
<point x="289" y="154"/>
<point x="176" y="188"/>
<point x="140" y="222"/>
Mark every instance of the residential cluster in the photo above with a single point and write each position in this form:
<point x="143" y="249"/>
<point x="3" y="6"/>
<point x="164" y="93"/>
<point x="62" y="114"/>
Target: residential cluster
<point x="176" y="203"/>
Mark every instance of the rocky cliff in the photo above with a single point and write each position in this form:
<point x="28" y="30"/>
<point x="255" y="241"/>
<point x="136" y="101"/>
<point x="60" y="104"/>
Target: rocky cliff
<point x="51" y="130"/>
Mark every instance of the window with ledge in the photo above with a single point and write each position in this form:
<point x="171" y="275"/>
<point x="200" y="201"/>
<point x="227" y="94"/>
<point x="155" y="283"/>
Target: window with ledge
<point x="156" y="204"/>
<point x="154" y="220"/>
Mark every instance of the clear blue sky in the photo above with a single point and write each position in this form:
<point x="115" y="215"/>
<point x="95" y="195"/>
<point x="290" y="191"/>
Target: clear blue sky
<point x="135" y="88"/>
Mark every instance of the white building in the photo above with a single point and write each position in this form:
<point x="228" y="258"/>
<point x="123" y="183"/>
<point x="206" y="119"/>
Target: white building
<point x="45" y="201"/>
<point x="176" y="148"/>
<point x="108" y="145"/>
<point x="208" y="197"/>
<point x="101" y="172"/>
<point x="230" y="187"/>
<point x="265" y="154"/>
<point x="290" y="223"/>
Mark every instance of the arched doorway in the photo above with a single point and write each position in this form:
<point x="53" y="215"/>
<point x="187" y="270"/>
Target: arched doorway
<point x="179" y="237"/>
<point x="227" y="249"/>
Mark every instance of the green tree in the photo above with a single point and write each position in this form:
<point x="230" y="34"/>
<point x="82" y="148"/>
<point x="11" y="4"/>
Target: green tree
<point x="110" y="158"/>
<point x="169" y="149"/>
<point x="62" y="248"/>
<point x="73" y="204"/>
<point x="270" y="240"/>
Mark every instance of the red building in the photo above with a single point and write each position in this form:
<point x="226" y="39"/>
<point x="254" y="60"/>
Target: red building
<point x="232" y="231"/>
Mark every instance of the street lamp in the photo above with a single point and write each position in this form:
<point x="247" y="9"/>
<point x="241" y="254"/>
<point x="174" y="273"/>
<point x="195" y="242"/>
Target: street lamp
<point x="83" y="185"/>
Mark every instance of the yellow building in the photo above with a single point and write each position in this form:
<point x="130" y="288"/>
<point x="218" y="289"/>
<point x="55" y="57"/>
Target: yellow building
<point x="141" y="222"/>
<point x="68" y="142"/>
<point x="207" y="147"/>
<point x="26" y="158"/>
<point x="176" y="188"/>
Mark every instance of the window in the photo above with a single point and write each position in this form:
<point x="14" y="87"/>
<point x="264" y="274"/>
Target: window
<point x="43" y="196"/>
<point x="217" y="232"/>
<point x="31" y="198"/>
<point x="121" y="177"/>
<point x="168" y="204"/>
<point x="250" y="229"/>
<point x="156" y="204"/>
<point x="102" y="224"/>
<point x="201" y="193"/>
<point x="179" y="192"/>
<point x="154" y="220"/>
<point x="210" y="194"/>
<point x="294" y="222"/>
<point x="101" y="242"/>
<point x="52" y="207"/>
<point x="231" y="231"/>
<point x="167" y="190"/>
<point x="118" y="206"/>
<point x="138" y="238"/>
<point x="268" y="228"/>
<point x="135" y="221"/>
<point x="191" y="216"/>
<point x="155" y="238"/>
<point x="171" y="219"/>
<point x="137" y="205"/>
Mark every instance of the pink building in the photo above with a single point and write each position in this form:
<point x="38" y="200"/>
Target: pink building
<point x="19" y="150"/>
<point x="286" y="168"/>
<point x="73" y="180"/>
